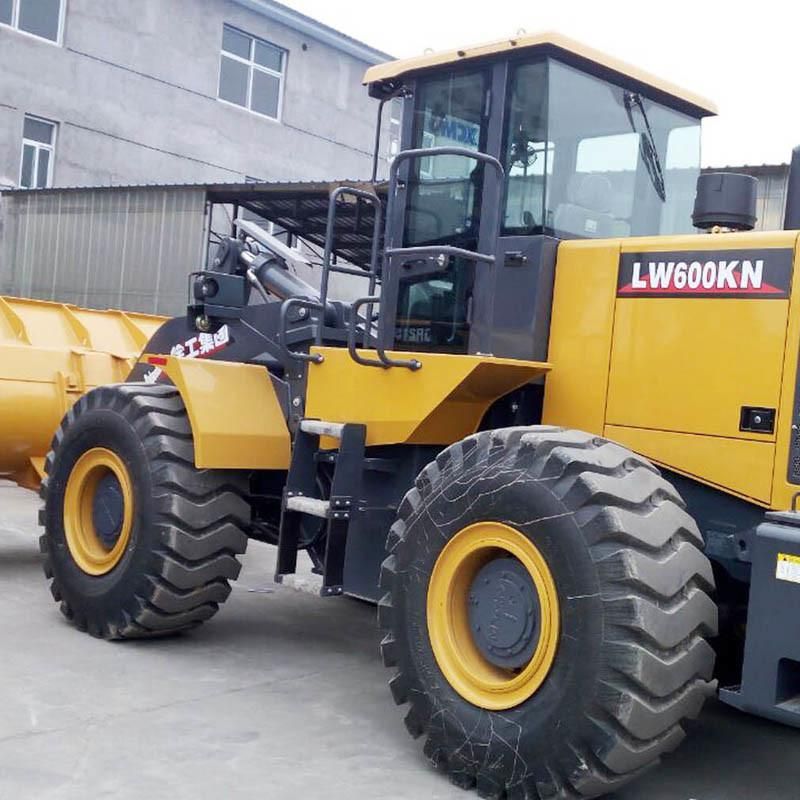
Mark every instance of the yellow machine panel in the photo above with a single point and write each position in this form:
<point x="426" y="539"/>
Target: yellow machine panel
<point x="440" y="403"/>
<point x="236" y="418"/>
<point x="689" y="364"/>
<point x="691" y="368"/>
<point x="581" y="330"/>
<point x="743" y="468"/>
<point x="673" y="345"/>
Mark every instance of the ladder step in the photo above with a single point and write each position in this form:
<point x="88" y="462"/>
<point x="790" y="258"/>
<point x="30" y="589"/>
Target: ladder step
<point x="308" y="505"/>
<point x="320" y="428"/>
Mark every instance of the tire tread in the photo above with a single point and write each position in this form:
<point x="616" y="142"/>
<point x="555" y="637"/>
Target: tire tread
<point x="655" y="584"/>
<point x="202" y="517"/>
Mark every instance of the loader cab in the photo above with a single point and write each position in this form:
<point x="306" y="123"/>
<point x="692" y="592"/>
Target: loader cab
<point x="590" y="148"/>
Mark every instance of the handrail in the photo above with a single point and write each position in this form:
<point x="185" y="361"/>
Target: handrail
<point x="330" y="232"/>
<point x="400" y="91"/>
<point x="286" y="306"/>
<point x="409" y="363"/>
<point x="440" y="250"/>
<point x="383" y="360"/>
<point x="429" y="251"/>
<point x="351" y="333"/>
<point x="431" y="152"/>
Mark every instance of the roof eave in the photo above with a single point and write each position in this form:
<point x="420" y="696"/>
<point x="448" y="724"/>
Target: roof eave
<point x="316" y="30"/>
<point x="392" y="71"/>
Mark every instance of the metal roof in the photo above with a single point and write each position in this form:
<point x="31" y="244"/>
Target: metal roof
<point x="551" y="42"/>
<point x="256" y="186"/>
<point x="300" y="207"/>
<point x="315" y="29"/>
<point x="783" y="165"/>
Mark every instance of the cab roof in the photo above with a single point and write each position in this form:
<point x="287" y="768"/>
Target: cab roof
<point x="548" y="43"/>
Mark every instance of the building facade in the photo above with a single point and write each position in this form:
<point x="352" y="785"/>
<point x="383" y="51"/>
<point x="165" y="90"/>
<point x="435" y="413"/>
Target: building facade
<point x="178" y="91"/>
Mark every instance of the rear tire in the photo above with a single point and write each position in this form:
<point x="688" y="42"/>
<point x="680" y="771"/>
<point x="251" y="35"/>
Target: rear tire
<point x="187" y="525"/>
<point x="632" y="660"/>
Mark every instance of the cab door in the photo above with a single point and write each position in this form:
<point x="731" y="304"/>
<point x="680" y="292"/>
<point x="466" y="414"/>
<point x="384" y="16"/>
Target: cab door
<point x="443" y="200"/>
<point x="524" y="256"/>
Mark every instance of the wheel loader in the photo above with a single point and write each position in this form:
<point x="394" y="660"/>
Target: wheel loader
<point x="557" y="417"/>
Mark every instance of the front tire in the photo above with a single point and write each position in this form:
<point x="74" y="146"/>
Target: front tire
<point x="137" y="541"/>
<point x="630" y="659"/>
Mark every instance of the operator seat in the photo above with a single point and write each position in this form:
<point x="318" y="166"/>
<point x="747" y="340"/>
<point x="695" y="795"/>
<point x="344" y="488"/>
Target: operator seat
<point x="588" y="211"/>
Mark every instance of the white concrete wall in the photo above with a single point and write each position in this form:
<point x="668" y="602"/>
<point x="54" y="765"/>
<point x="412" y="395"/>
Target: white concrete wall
<point x="133" y="87"/>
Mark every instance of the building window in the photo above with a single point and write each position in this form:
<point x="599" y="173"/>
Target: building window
<point x="251" y="73"/>
<point x="42" y="18"/>
<point x="38" y="149"/>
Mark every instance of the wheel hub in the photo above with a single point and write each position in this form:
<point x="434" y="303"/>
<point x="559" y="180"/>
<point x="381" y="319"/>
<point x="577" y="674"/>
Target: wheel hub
<point x="108" y="509"/>
<point x="98" y="511"/>
<point x="493" y="615"/>
<point x="504" y="613"/>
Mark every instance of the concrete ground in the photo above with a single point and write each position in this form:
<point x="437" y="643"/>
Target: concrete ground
<point x="282" y="695"/>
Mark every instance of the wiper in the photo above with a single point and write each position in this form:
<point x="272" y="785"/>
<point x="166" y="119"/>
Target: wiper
<point x="647" y="144"/>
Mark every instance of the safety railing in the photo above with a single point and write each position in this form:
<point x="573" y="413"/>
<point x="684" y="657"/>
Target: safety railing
<point x="383" y="360"/>
<point x="283" y="327"/>
<point x="330" y="240"/>
<point x="439" y="255"/>
<point x="435" y="252"/>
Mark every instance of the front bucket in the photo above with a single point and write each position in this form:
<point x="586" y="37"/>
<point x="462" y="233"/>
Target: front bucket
<point x="51" y="354"/>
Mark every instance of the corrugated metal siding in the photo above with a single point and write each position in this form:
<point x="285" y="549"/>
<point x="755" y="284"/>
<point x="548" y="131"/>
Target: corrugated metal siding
<point x="773" y="184"/>
<point x="771" y="202"/>
<point x="104" y="248"/>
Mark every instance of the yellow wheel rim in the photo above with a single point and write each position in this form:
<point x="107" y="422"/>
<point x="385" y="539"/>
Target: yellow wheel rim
<point x="89" y="551"/>
<point x="465" y="667"/>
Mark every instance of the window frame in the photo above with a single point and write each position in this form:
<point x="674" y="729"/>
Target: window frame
<point x="14" y="24"/>
<point x="419" y="139"/>
<point x="38" y="146"/>
<point x="252" y="65"/>
<point x="395" y="128"/>
<point x="514" y="66"/>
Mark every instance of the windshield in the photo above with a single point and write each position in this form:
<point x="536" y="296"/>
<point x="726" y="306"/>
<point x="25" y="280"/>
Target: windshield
<point x="587" y="158"/>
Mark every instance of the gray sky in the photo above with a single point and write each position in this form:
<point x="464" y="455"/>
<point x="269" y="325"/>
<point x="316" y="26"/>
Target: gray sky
<point x="742" y="56"/>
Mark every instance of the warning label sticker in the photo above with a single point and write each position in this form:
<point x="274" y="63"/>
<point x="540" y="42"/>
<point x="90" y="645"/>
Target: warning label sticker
<point x="788" y="568"/>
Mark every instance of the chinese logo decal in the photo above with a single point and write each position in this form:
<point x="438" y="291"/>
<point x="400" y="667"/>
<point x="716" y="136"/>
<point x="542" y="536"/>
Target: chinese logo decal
<point x="203" y="345"/>
<point x="200" y="346"/>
